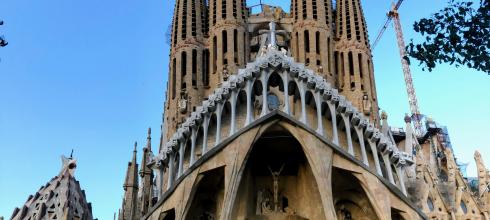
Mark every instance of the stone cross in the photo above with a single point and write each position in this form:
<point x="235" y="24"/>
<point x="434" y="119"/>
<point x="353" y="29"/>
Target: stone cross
<point x="272" y="31"/>
<point x="271" y="35"/>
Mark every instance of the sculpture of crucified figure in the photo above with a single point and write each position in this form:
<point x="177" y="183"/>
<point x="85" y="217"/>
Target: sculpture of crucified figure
<point x="275" y="178"/>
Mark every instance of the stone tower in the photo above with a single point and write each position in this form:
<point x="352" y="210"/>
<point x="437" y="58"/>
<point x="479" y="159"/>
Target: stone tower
<point x="61" y="198"/>
<point x="146" y="176"/>
<point x="312" y="35"/>
<point x="353" y="59"/>
<point x="189" y="58"/>
<point x="227" y="34"/>
<point x="129" y="209"/>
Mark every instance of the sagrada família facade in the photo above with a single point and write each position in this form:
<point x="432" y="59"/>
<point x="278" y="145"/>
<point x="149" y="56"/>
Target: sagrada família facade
<point x="274" y="115"/>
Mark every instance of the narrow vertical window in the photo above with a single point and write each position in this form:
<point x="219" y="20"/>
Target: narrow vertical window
<point x="342" y="69"/>
<point x="295" y="9"/>
<point x="297" y="46"/>
<point x="306" y="38"/>
<point x="360" y="61"/>
<point x="244" y="9"/>
<point x="193" y="19"/>
<point x="174" y="75"/>
<point x="327" y="11"/>
<point x="194" y="68"/>
<point x="348" y="20"/>
<point x="317" y="39"/>
<point x="234" y="9"/>
<point x="340" y="17"/>
<point x="204" y="17"/>
<point x="183" y="69"/>
<point x="351" y="64"/>
<point x="244" y="53"/>
<point x="205" y="68"/>
<point x="315" y="9"/>
<point x="336" y="62"/>
<point x="175" y="27"/>
<point x="214" y="12"/>
<point x="215" y="54"/>
<point x="329" y="53"/>
<point x="235" y="46"/>
<point x="224" y="39"/>
<point x="184" y="20"/>
<point x="304" y="9"/>
<point x="223" y="9"/>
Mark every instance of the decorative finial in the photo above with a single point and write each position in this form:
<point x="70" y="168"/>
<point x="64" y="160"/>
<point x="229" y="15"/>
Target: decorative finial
<point x="430" y="120"/>
<point x="135" y="145"/>
<point x="384" y="116"/>
<point x="272" y="31"/>
<point x="407" y="119"/>
<point x="149" y="131"/>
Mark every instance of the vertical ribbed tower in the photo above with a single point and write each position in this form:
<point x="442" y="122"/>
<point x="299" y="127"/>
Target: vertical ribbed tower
<point x="189" y="58"/>
<point x="146" y="176"/>
<point x="228" y="40"/>
<point x="312" y="36"/>
<point x="353" y="60"/>
<point x="129" y="208"/>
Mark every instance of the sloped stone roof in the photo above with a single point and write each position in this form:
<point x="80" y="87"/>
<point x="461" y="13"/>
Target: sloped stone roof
<point x="60" y="198"/>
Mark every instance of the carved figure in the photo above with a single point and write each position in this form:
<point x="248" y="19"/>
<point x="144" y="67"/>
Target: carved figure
<point x="226" y="74"/>
<point x="182" y="104"/>
<point x="275" y="179"/>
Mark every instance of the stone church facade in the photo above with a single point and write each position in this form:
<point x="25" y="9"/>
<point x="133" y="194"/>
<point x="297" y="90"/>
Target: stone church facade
<point x="274" y="115"/>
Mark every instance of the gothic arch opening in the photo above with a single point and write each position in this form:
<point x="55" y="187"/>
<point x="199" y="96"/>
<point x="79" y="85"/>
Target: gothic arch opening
<point x="275" y="91"/>
<point x="207" y="199"/>
<point x="277" y="181"/>
<point x="167" y="215"/>
<point x="349" y="197"/>
<point x="397" y="214"/>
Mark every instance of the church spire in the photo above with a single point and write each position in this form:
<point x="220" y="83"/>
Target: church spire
<point x="353" y="59"/>
<point x="129" y="209"/>
<point x="60" y="198"/>
<point x="146" y="175"/>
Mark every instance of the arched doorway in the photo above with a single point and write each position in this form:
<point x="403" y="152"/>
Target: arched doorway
<point x="350" y="200"/>
<point x="277" y="182"/>
<point x="207" y="200"/>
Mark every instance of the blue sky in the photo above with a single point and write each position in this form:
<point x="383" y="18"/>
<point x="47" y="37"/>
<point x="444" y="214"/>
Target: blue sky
<point x="91" y="75"/>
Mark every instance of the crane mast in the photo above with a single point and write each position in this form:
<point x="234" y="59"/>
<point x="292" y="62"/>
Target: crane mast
<point x="412" y="97"/>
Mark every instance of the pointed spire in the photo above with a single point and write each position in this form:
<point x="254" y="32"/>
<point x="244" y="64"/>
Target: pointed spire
<point x="131" y="188"/>
<point x="148" y="139"/>
<point x="132" y="172"/>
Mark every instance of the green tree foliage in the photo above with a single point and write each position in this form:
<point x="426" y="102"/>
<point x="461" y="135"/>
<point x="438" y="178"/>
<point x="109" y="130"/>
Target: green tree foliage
<point x="459" y="34"/>
<point x="3" y="42"/>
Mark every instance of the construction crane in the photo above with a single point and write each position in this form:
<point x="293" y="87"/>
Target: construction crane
<point x="412" y="97"/>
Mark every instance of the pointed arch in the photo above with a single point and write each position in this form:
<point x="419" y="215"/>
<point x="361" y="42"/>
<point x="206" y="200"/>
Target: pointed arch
<point x="281" y="183"/>
<point x="206" y="199"/>
<point x="350" y="198"/>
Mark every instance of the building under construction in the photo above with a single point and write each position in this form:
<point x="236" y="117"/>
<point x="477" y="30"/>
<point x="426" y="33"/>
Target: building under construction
<point x="273" y="115"/>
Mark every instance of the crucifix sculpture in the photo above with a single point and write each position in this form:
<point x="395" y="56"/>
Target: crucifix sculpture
<point x="270" y="39"/>
<point x="275" y="179"/>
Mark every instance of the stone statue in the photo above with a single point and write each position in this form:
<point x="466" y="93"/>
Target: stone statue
<point x="226" y="74"/>
<point x="275" y="179"/>
<point x="263" y="202"/>
<point x="182" y="104"/>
